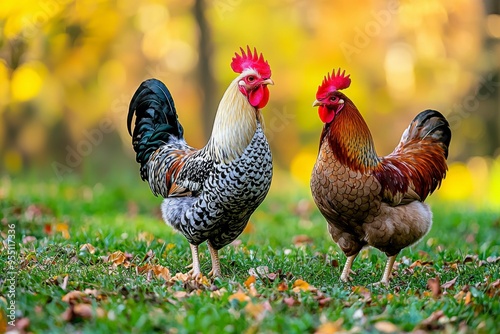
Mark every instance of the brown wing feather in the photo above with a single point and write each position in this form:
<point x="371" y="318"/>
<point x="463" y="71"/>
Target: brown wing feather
<point x="418" y="164"/>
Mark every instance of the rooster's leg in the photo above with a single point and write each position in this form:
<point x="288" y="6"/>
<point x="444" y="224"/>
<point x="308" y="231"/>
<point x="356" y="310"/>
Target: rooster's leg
<point x="388" y="270"/>
<point x="214" y="254"/>
<point x="346" y="273"/>
<point x="195" y="271"/>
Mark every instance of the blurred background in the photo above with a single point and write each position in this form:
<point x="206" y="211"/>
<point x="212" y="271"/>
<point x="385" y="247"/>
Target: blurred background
<point x="68" y="70"/>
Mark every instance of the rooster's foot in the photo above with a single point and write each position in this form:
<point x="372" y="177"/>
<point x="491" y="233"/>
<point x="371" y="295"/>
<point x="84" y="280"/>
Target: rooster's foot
<point x="346" y="276"/>
<point x="214" y="273"/>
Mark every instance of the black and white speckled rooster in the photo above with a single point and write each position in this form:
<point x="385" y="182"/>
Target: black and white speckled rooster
<point x="209" y="193"/>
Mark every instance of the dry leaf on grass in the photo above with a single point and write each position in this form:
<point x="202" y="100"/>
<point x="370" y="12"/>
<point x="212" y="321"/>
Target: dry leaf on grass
<point x="493" y="259"/>
<point x="29" y="239"/>
<point x="60" y="280"/>
<point x="239" y="296"/>
<point x="431" y="323"/>
<point x="180" y="294"/>
<point x="470" y="258"/>
<point x="330" y="327"/>
<point x="158" y="270"/>
<point x="282" y="286"/>
<point x="420" y="263"/>
<point x="258" y="311"/>
<point x="434" y="286"/>
<point x="249" y="281"/>
<point x="87" y="248"/>
<point x="386" y="327"/>
<point x="290" y="301"/>
<point x="81" y="311"/>
<point x="466" y="297"/>
<point x="63" y="228"/>
<point x="75" y="296"/>
<point x="95" y="293"/>
<point x="260" y="271"/>
<point x="145" y="236"/>
<point x="302" y="239"/>
<point x="449" y="284"/>
<point x="301" y="285"/>
<point x="364" y="292"/>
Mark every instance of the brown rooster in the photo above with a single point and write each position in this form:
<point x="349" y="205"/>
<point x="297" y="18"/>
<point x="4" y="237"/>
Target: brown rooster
<point x="369" y="200"/>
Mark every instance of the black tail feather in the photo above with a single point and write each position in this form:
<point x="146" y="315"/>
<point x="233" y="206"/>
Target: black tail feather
<point x="431" y="123"/>
<point x="156" y="120"/>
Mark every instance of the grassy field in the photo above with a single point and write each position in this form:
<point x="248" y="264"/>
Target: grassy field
<point x="95" y="259"/>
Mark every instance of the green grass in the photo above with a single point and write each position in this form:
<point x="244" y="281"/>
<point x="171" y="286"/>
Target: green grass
<point x="461" y="244"/>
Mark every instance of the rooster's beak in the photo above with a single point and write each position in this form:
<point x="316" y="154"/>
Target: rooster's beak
<point x="268" y="82"/>
<point x="316" y="103"/>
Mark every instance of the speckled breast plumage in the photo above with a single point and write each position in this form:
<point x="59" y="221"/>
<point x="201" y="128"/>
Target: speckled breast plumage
<point x="230" y="194"/>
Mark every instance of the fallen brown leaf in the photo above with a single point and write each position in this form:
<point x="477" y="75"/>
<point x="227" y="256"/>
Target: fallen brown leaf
<point x="75" y="296"/>
<point x="148" y="256"/>
<point x="180" y="294"/>
<point x="64" y="229"/>
<point x="64" y="284"/>
<point x="258" y="311"/>
<point x="156" y="269"/>
<point x="470" y="258"/>
<point x="95" y="293"/>
<point x="464" y="296"/>
<point x="493" y="288"/>
<point x="449" y="284"/>
<point x="330" y="327"/>
<point x="117" y="258"/>
<point x="282" y="286"/>
<point x="29" y="239"/>
<point x="250" y="280"/>
<point x="47" y="229"/>
<point x="422" y="254"/>
<point x="239" y="296"/>
<point x="252" y="291"/>
<point x="260" y="271"/>
<point x="432" y="322"/>
<point x="181" y="277"/>
<point x="83" y="311"/>
<point x="34" y="211"/>
<point x="493" y="259"/>
<point x="434" y="286"/>
<point x="302" y="239"/>
<point x="88" y="248"/>
<point x="300" y="285"/>
<point x="468" y="298"/>
<point x="324" y="301"/>
<point x="272" y="276"/>
<point x="419" y="263"/>
<point x="145" y="236"/>
<point x="290" y="301"/>
<point x="386" y="327"/>
<point x="218" y="293"/>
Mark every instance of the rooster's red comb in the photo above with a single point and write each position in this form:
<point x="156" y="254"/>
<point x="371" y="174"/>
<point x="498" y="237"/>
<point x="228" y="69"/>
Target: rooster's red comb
<point x="249" y="60"/>
<point x="333" y="82"/>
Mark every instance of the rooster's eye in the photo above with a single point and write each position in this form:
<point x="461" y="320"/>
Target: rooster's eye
<point x="251" y="78"/>
<point x="333" y="99"/>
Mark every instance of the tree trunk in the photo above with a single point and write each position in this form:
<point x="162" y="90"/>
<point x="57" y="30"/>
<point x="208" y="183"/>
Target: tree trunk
<point x="207" y="84"/>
